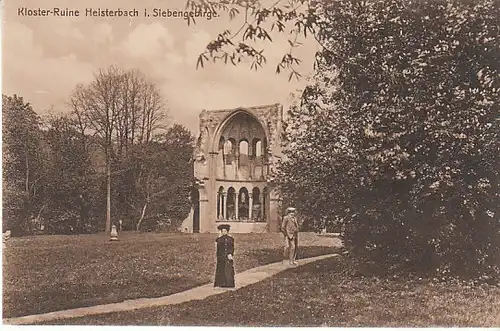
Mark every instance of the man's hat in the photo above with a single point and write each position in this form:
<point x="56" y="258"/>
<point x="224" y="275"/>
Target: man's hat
<point x="224" y="226"/>
<point x="290" y="209"/>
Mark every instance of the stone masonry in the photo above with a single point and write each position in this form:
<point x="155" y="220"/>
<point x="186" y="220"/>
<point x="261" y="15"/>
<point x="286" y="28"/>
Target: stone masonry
<point x="236" y="151"/>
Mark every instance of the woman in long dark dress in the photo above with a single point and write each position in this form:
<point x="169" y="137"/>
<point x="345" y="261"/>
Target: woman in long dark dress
<point x="224" y="272"/>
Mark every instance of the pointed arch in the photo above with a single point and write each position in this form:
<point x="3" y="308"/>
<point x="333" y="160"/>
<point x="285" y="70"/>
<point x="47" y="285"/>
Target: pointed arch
<point x="243" y="147"/>
<point x="256" y="148"/>
<point x="237" y="112"/>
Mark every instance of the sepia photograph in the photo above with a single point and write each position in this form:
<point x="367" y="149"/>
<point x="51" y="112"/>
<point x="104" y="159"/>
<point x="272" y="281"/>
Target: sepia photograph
<point x="251" y="163"/>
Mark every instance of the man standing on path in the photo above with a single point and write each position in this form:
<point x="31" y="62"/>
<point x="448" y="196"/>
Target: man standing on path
<point x="290" y="229"/>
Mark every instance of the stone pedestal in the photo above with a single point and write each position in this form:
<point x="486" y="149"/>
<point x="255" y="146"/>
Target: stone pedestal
<point x="114" y="233"/>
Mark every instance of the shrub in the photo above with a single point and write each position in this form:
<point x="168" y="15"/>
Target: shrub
<point x="399" y="133"/>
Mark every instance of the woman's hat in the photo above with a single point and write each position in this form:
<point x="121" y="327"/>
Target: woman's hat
<point x="224" y="226"/>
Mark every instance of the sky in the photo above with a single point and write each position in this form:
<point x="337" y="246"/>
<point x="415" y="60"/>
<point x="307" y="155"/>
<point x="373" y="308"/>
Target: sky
<point x="45" y="58"/>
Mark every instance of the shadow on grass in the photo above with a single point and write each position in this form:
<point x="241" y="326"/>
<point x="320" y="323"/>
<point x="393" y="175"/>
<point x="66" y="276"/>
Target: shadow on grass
<point x="324" y="294"/>
<point x="267" y="256"/>
<point x="74" y="296"/>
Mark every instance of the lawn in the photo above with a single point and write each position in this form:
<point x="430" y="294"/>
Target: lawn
<point x="48" y="273"/>
<point x="327" y="293"/>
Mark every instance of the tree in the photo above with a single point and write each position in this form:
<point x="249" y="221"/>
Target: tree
<point x="142" y="113"/>
<point x="178" y="148"/>
<point x="119" y="108"/>
<point x="98" y="104"/>
<point x="70" y="181"/>
<point x="415" y="119"/>
<point x="22" y="164"/>
<point x="399" y="132"/>
<point x="260" y="19"/>
<point x="159" y="175"/>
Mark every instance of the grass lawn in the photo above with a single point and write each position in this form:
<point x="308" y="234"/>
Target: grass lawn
<point x="326" y="293"/>
<point x="48" y="273"/>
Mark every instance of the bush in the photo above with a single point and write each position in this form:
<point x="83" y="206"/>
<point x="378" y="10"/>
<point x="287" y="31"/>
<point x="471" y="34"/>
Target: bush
<point x="399" y="134"/>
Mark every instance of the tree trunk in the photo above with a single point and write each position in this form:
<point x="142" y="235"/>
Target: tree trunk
<point x="108" y="192"/>
<point x="27" y="179"/>
<point x="39" y="215"/>
<point x="142" y="216"/>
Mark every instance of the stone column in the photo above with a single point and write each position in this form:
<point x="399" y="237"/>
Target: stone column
<point x="224" y="205"/>
<point x="274" y="214"/>
<point x="211" y="188"/>
<point x="263" y="158"/>
<point x="251" y="160"/>
<point x="261" y="204"/>
<point x="205" y="217"/>
<point x="236" y="162"/>
<point x="223" y="164"/>
<point x="219" y="210"/>
<point x="250" y="205"/>
<point x="236" y="202"/>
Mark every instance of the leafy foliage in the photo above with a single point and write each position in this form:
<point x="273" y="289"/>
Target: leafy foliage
<point x="399" y="134"/>
<point x="296" y="17"/>
<point x="156" y="179"/>
<point x="72" y="184"/>
<point x="22" y="163"/>
<point x="49" y="183"/>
